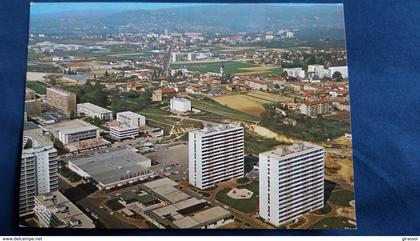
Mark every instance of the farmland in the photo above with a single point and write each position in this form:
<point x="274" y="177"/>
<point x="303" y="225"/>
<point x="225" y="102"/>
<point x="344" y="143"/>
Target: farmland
<point x="231" y="67"/>
<point x="243" y="103"/>
<point x="212" y="106"/>
<point x="251" y="103"/>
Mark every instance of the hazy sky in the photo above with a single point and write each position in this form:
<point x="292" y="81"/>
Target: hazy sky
<point x="45" y="8"/>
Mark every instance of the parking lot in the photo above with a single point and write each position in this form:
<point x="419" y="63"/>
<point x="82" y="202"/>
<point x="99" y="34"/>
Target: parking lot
<point x="172" y="162"/>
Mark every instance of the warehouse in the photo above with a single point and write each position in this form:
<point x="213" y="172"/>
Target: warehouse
<point x="112" y="168"/>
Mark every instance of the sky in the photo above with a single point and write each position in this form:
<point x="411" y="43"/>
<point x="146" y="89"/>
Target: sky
<point x="39" y="8"/>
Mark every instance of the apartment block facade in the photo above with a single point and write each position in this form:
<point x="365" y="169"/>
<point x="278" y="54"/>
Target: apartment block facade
<point x="291" y="182"/>
<point x="38" y="172"/>
<point x="215" y="154"/>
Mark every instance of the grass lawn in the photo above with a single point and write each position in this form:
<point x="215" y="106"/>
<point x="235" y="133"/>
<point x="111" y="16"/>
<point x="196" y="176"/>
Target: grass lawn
<point x="252" y="186"/>
<point x="216" y="108"/>
<point x="325" y="210"/>
<point x="341" y="198"/>
<point x="244" y="205"/>
<point x="332" y="223"/>
<point x="37" y="86"/>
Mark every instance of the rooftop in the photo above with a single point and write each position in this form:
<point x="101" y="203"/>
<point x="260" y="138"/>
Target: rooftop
<point x="216" y="128"/>
<point x="287" y="150"/>
<point x="70" y="126"/>
<point x="65" y="211"/>
<point x="181" y="100"/>
<point x="113" y="165"/>
<point x="94" y="108"/>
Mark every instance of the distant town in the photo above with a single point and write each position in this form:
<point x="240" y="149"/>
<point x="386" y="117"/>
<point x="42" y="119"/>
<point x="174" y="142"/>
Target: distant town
<point x="193" y="130"/>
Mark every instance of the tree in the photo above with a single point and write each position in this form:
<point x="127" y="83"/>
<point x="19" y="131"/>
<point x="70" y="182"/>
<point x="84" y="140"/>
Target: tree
<point x="284" y="74"/>
<point x="337" y="76"/>
<point x="106" y="74"/>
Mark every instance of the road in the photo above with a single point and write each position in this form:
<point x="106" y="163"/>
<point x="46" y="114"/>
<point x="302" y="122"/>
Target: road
<point x="106" y="218"/>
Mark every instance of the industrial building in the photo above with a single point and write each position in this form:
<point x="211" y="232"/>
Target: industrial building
<point x="180" y="105"/>
<point x="73" y="131"/>
<point x="38" y="171"/>
<point x="291" y="182"/>
<point x="94" y="111"/>
<point x="182" y="210"/>
<point x="111" y="168"/>
<point x="61" y="99"/>
<point x="216" y="154"/>
<point x="54" y="210"/>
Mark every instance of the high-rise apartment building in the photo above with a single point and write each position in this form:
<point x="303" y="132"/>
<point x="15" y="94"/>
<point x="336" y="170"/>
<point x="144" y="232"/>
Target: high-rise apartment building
<point x="216" y="154"/>
<point x="38" y="173"/>
<point x="291" y="182"/>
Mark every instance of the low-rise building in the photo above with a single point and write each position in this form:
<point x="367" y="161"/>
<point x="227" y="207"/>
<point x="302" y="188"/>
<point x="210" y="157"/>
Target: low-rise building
<point x="54" y="210"/>
<point x="295" y="72"/>
<point x="127" y="125"/>
<point x="112" y="168"/>
<point x="180" y="105"/>
<point x="94" y="111"/>
<point x="315" y="107"/>
<point x="73" y="131"/>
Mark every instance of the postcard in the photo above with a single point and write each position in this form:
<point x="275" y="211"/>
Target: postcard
<point x="187" y="116"/>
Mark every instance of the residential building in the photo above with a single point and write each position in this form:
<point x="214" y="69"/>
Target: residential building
<point x="291" y="182"/>
<point x="38" y="171"/>
<point x="295" y="72"/>
<point x="61" y="99"/>
<point x="216" y="154"/>
<point x="94" y="111"/>
<point x="342" y="69"/>
<point x="32" y="104"/>
<point x="257" y="85"/>
<point x="313" y="108"/>
<point x="54" y="210"/>
<point x="317" y="70"/>
<point x="180" y="105"/>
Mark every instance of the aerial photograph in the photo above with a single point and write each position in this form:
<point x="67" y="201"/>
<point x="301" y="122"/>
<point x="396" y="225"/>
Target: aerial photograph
<point x="186" y="116"/>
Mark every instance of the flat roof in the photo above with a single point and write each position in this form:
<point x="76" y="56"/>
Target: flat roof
<point x="184" y="100"/>
<point x="70" y="126"/>
<point x="65" y="210"/>
<point x="217" y="128"/>
<point x="160" y="182"/>
<point x="288" y="150"/>
<point x="111" y="166"/>
<point x="94" y="108"/>
<point x="186" y="222"/>
<point x="210" y="214"/>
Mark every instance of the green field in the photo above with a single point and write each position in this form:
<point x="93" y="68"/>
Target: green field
<point x="332" y="223"/>
<point x="218" y="109"/>
<point x="244" y="205"/>
<point x="230" y="67"/>
<point x="341" y="198"/>
<point x="38" y="87"/>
